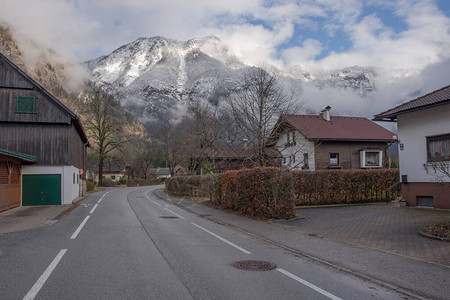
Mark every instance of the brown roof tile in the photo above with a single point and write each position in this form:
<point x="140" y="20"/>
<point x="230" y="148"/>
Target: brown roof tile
<point x="338" y="128"/>
<point x="434" y="98"/>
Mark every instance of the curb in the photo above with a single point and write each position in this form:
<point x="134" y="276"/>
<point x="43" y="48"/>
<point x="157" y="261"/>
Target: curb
<point x="434" y="237"/>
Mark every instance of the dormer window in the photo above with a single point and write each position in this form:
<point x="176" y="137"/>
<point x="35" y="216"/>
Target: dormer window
<point x="25" y="105"/>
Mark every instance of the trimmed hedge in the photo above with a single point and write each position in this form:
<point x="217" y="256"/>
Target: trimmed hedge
<point x="196" y="185"/>
<point x="142" y="182"/>
<point x="342" y="186"/>
<point x="264" y="192"/>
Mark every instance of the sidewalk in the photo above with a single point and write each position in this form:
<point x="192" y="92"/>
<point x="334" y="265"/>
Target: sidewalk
<point x="29" y="217"/>
<point x="411" y="276"/>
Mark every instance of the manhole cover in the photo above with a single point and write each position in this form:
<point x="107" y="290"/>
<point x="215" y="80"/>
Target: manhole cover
<point x="168" y="217"/>
<point x="254" y="265"/>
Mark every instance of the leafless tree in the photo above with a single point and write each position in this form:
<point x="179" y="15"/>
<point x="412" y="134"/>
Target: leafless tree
<point x="260" y="100"/>
<point x="440" y="170"/>
<point x="103" y="124"/>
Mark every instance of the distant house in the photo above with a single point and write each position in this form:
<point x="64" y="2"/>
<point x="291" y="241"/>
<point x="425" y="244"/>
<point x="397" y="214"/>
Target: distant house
<point x="317" y="142"/>
<point x="37" y="127"/>
<point x="180" y="171"/>
<point x="159" y="173"/>
<point x="113" y="169"/>
<point x="424" y="137"/>
<point x="234" y="157"/>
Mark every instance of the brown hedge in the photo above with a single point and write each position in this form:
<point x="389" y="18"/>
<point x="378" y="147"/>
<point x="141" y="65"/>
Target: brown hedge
<point x="341" y="186"/>
<point x="196" y="185"/>
<point x="264" y="192"/>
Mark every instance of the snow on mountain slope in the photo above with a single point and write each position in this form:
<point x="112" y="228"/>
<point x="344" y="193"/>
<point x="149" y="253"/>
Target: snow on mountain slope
<point x="153" y="77"/>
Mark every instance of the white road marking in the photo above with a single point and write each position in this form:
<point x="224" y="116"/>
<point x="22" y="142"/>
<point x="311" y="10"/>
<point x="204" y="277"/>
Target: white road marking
<point x="173" y="213"/>
<point x="156" y="203"/>
<point x="74" y="235"/>
<point x="222" y="239"/>
<point x="92" y="210"/>
<point x="100" y="200"/>
<point x="41" y="281"/>
<point x="308" y="284"/>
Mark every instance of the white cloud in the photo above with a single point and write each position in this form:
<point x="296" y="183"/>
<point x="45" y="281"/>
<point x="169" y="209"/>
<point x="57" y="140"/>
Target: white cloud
<point x="258" y="31"/>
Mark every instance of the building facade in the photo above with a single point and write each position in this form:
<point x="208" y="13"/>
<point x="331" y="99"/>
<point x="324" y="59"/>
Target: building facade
<point x="424" y="140"/>
<point x="35" y="123"/>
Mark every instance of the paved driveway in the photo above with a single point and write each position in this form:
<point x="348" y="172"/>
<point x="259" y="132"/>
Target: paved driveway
<point x="382" y="227"/>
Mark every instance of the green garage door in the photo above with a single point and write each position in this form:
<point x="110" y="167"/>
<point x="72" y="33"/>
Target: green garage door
<point x="41" y="190"/>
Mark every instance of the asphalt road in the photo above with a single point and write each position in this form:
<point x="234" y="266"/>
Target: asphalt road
<point x="126" y="243"/>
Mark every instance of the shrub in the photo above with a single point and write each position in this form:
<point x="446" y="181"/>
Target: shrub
<point x="184" y="185"/>
<point x="107" y="182"/>
<point x="89" y="186"/>
<point x="342" y="186"/>
<point x="265" y="192"/>
<point x="211" y="186"/>
<point x="142" y="182"/>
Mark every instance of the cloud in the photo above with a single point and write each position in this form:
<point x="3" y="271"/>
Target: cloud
<point x="278" y="32"/>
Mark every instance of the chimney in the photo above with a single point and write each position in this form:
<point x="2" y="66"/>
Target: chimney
<point x="325" y="113"/>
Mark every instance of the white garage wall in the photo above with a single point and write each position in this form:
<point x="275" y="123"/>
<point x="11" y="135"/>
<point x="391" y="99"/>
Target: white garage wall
<point x="69" y="190"/>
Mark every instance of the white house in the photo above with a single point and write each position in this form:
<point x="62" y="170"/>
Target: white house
<point x="317" y="142"/>
<point x="424" y="141"/>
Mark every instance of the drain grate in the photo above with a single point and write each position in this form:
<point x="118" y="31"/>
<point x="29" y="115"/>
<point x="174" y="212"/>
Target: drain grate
<point x="168" y="217"/>
<point x="254" y="265"/>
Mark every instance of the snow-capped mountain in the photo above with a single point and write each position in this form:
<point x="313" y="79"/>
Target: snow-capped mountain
<point x="153" y="77"/>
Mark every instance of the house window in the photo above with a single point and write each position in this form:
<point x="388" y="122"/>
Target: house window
<point x="334" y="158"/>
<point x="73" y="178"/>
<point x="371" y="158"/>
<point x="25" y="105"/>
<point x="113" y="177"/>
<point x="290" y="139"/>
<point x="438" y="148"/>
<point x="305" y="161"/>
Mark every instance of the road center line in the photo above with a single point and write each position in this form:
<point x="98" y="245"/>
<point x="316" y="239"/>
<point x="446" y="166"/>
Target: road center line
<point x="222" y="239"/>
<point x="156" y="203"/>
<point x="174" y="213"/>
<point x="41" y="281"/>
<point x="92" y="210"/>
<point x="308" y="284"/>
<point x="74" y="235"/>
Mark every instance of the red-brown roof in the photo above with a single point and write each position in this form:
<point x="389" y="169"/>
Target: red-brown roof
<point x="437" y="97"/>
<point x="338" y="128"/>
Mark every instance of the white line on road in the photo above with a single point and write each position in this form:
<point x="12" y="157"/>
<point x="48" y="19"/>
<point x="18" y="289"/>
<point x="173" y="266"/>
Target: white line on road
<point x="74" y="235"/>
<point x="156" y="203"/>
<point x="308" y="284"/>
<point x="92" y="210"/>
<point x="173" y="213"/>
<point x="103" y="196"/>
<point x="41" y="281"/>
<point x="222" y="239"/>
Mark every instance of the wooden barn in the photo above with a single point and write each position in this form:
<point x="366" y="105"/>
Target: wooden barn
<point x="33" y="123"/>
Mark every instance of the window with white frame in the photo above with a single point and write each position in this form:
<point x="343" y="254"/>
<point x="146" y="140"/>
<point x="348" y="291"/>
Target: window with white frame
<point x="371" y="158"/>
<point x="334" y="159"/>
<point x="438" y="148"/>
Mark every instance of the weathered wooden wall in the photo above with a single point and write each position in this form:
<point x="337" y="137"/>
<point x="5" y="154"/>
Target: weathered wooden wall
<point x="49" y="133"/>
<point x="9" y="185"/>
<point x="50" y="143"/>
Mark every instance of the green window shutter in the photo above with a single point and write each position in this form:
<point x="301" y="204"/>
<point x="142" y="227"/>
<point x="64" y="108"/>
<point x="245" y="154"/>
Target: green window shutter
<point x="25" y="105"/>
